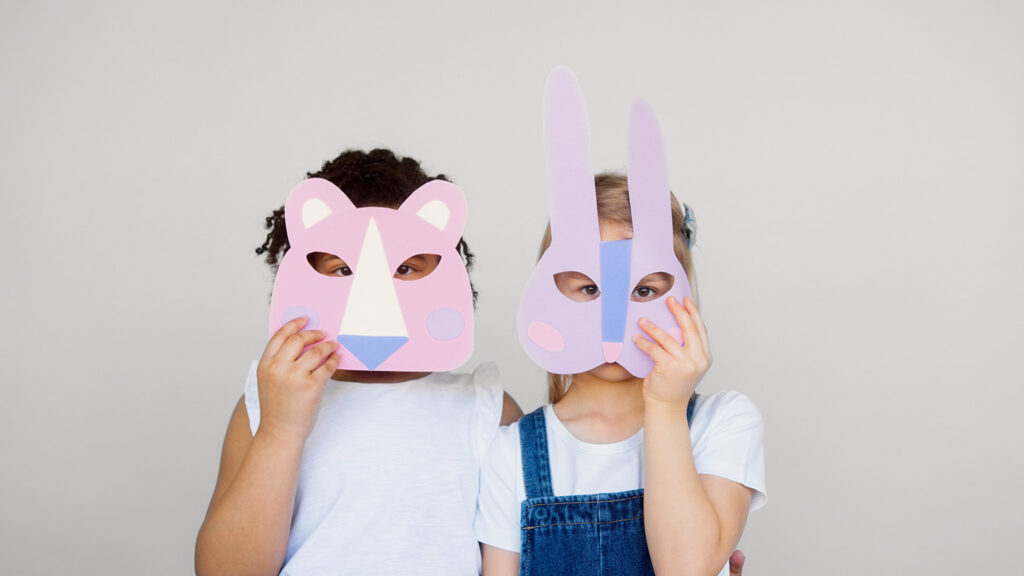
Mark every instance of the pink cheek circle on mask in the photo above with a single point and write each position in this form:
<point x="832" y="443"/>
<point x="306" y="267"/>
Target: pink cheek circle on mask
<point x="445" y="324"/>
<point x="546" y="336"/>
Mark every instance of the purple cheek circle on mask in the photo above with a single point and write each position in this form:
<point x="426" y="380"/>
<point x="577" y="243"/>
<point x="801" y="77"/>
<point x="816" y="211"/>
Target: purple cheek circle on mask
<point x="295" y="311"/>
<point x="567" y="337"/>
<point x="445" y="324"/>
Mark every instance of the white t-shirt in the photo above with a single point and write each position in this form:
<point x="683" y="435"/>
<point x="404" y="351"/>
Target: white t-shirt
<point x="390" y="474"/>
<point x="727" y="435"/>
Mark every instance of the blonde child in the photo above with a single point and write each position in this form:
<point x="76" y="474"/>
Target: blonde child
<point x="619" y="474"/>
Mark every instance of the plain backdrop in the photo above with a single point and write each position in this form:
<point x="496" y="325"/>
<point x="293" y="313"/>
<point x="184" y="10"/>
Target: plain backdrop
<point x="855" y="168"/>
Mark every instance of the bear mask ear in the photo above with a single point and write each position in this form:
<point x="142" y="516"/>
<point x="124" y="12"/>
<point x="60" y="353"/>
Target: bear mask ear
<point x="440" y="204"/>
<point x="311" y="202"/>
<point x="313" y="211"/>
<point x="436" y="213"/>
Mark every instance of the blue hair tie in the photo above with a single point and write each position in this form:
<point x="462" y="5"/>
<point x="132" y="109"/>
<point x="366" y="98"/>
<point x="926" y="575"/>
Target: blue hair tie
<point x="689" y="226"/>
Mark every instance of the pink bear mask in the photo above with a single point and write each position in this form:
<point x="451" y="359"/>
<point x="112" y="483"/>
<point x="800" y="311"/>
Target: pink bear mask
<point x="383" y="322"/>
<point x="568" y="337"/>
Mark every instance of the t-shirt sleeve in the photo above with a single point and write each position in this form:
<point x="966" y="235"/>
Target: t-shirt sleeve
<point x="498" y="506"/>
<point x="731" y="445"/>
<point x="252" y="399"/>
<point x="489" y="398"/>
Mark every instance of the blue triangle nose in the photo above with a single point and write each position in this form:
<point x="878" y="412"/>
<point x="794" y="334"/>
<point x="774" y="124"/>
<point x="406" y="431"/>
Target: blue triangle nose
<point x="372" y="350"/>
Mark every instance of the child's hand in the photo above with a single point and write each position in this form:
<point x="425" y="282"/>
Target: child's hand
<point x="291" y="382"/>
<point x="677" y="368"/>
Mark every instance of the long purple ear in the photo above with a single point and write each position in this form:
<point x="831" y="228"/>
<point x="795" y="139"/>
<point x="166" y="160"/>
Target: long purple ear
<point x="570" y="177"/>
<point x="648" y="179"/>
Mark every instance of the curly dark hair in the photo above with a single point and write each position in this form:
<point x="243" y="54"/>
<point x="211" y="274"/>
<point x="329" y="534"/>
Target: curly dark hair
<point x="375" y="178"/>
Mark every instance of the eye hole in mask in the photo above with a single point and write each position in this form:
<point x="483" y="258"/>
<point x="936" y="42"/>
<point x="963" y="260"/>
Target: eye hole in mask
<point x="577" y="286"/>
<point x="652" y="287"/>
<point x="419" y="266"/>
<point x="328" y="264"/>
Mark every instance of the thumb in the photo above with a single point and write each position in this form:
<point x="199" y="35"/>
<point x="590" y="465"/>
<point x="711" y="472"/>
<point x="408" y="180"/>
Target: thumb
<point x="736" y="563"/>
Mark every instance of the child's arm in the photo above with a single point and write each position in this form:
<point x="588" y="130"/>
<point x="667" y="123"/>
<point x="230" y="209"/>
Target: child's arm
<point x="510" y="410"/>
<point x="498" y="562"/>
<point x="693" y="521"/>
<point x="246" y="526"/>
<point x="497" y="522"/>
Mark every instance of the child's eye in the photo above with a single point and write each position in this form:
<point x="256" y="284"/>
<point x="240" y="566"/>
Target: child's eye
<point x="328" y="264"/>
<point x="652" y="286"/>
<point x="577" y="286"/>
<point x="642" y="293"/>
<point x="419" y="266"/>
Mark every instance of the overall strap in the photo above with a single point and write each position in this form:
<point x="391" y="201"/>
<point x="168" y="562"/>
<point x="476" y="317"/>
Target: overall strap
<point x="533" y="439"/>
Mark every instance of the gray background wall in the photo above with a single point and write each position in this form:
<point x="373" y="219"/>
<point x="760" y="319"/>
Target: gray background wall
<point x="855" y="169"/>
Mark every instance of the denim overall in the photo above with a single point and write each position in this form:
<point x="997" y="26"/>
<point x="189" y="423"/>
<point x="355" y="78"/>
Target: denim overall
<point x="581" y="535"/>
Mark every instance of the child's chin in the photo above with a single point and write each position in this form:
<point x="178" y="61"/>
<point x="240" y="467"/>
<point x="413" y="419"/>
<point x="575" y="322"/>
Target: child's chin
<point x="612" y="372"/>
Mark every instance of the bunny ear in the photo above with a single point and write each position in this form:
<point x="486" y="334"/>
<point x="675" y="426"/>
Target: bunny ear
<point x="648" y="179"/>
<point x="570" y="177"/>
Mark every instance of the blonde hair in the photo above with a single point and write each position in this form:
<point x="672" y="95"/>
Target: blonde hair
<point x="613" y="206"/>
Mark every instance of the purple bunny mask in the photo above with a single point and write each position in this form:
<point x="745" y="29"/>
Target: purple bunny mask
<point x="564" y="336"/>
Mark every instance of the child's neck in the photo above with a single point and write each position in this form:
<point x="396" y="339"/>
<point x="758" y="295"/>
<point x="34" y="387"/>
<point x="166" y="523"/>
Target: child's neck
<point x="367" y="377"/>
<point x="600" y="411"/>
